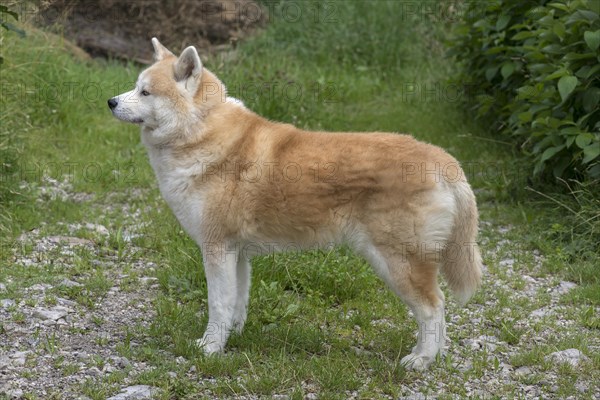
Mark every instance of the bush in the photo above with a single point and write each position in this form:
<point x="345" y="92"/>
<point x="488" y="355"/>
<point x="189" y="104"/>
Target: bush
<point x="9" y="144"/>
<point x="536" y="67"/>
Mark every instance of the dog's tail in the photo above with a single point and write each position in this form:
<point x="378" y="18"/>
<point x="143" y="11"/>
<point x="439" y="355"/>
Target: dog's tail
<point x="461" y="265"/>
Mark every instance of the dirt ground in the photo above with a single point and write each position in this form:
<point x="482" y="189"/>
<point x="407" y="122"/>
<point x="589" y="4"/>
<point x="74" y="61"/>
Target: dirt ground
<point x="123" y="29"/>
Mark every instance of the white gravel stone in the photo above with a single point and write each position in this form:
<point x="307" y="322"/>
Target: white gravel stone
<point x="69" y="283"/>
<point x="509" y="262"/>
<point x="66" y="302"/>
<point x="564" y="287"/>
<point x="416" y="396"/>
<point x="148" y="280"/>
<point x="6" y="303"/>
<point x="19" y="358"/>
<point x="483" y="341"/>
<point x="69" y="240"/>
<point x="53" y="314"/>
<point x="138" y="392"/>
<point x="101" y="229"/>
<point x="522" y="371"/>
<point x="570" y="356"/>
<point x="15" y="394"/>
<point x="40" y="287"/>
<point x="542" y="312"/>
<point x="581" y="387"/>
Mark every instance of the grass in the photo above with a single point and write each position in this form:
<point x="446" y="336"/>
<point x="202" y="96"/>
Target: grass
<point x="318" y="321"/>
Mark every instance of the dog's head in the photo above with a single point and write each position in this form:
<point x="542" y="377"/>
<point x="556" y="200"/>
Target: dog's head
<point x="174" y="90"/>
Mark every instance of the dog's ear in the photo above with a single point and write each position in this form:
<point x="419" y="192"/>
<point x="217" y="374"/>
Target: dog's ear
<point x="188" y="65"/>
<point x="160" y="51"/>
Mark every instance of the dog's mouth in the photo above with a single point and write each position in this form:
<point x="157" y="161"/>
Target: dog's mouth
<point x="127" y="118"/>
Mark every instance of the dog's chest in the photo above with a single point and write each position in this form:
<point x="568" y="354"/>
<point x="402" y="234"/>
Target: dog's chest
<point x="177" y="187"/>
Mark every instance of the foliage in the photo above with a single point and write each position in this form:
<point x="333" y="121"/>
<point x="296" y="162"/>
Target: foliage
<point x="4" y="11"/>
<point x="9" y="145"/>
<point x="536" y="67"/>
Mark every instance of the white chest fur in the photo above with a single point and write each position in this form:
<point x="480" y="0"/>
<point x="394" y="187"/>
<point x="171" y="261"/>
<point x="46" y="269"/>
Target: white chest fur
<point x="176" y="186"/>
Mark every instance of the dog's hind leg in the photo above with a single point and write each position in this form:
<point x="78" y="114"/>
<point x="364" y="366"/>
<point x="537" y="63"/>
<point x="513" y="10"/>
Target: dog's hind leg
<point x="418" y="288"/>
<point x="220" y="268"/>
<point x="414" y="280"/>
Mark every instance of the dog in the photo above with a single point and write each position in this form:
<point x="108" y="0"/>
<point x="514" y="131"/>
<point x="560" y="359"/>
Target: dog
<point x="241" y="185"/>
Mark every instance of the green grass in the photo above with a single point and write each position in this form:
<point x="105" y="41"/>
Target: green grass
<point x="318" y="321"/>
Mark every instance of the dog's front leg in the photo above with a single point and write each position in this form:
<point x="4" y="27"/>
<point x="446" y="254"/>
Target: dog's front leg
<point x="220" y="270"/>
<point x="243" y="292"/>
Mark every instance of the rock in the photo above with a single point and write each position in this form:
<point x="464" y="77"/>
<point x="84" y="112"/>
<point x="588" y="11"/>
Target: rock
<point x="80" y="355"/>
<point x="539" y="313"/>
<point x="19" y="358"/>
<point x="6" y="303"/>
<point x="69" y="240"/>
<point x="26" y="262"/>
<point x="172" y="375"/>
<point x="581" y="387"/>
<point x="138" y="392"/>
<point x="564" y="287"/>
<point x="504" y="229"/>
<point x="101" y="229"/>
<point x="2" y="287"/>
<point x="121" y="362"/>
<point x="481" y="342"/>
<point x="415" y="396"/>
<point x="360" y="351"/>
<point x="69" y="283"/>
<point x="148" y="280"/>
<point x="15" y="394"/>
<point x="463" y="365"/>
<point x="509" y="262"/>
<point x="505" y="368"/>
<point x="571" y="356"/>
<point x="4" y="362"/>
<point x="40" y="287"/>
<point x="53" y="314"/>
<point x="311" y="396"/>
<point x="522" y="371"/>
<point x="108" y="369"/>
<point x="66" y="302"/>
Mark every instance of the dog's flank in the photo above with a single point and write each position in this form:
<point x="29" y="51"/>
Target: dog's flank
<point x="238" y="181"/>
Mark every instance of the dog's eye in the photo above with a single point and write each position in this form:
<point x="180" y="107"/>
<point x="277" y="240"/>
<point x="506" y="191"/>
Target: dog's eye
<point x="145" y="93"/>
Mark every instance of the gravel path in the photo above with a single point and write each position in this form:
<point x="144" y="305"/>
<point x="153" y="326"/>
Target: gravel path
<point x="64" y="334"/>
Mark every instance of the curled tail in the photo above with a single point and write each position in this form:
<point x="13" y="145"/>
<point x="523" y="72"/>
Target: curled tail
<point x="461" y="266"/>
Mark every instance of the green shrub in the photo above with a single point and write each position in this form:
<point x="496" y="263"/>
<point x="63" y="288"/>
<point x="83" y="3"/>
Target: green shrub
<point x="536" y="67"/>
<point x="9" y="143"/>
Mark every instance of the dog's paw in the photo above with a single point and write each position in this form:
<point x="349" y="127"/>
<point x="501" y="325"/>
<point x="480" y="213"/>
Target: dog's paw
<point x="416" y="362"/>
<point x="209" y="347"/>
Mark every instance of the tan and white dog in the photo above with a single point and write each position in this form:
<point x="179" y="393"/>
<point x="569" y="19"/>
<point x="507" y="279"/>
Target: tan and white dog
<point x="241" y="185"/>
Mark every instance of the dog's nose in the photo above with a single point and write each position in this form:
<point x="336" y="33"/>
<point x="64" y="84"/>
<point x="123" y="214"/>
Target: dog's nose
<point x="112" y="103"/>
